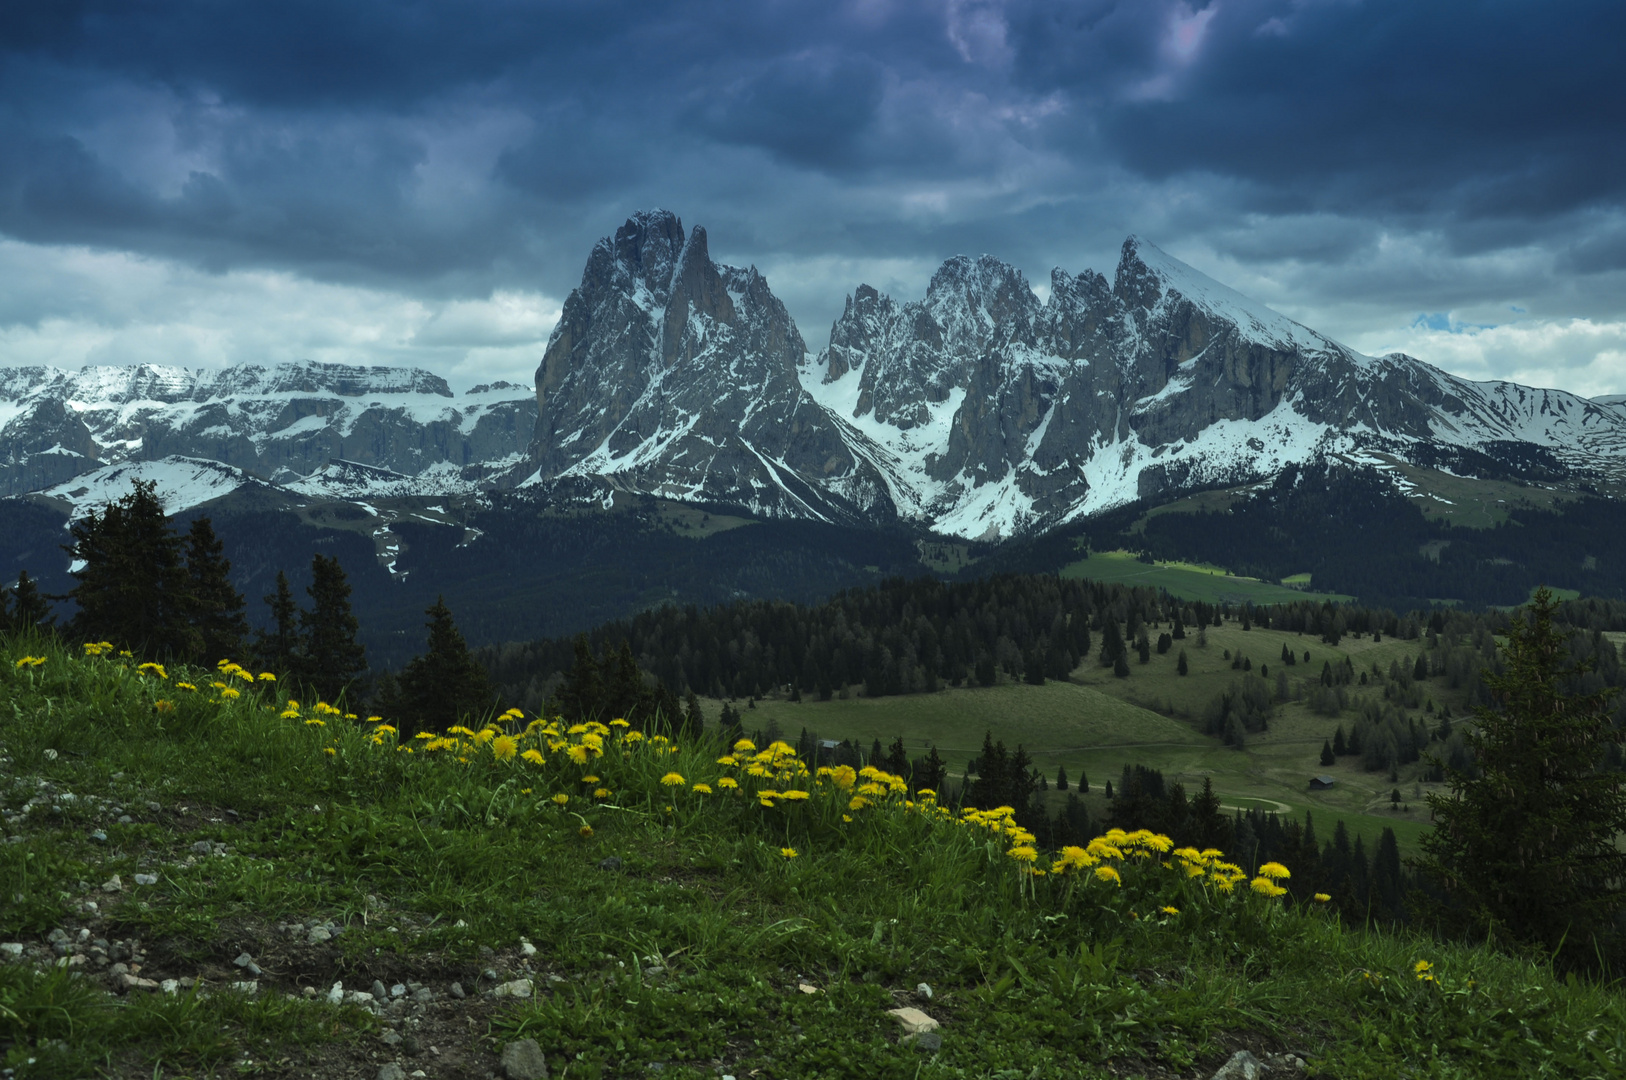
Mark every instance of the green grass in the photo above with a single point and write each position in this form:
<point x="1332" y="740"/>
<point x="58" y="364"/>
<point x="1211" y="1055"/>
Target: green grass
<point x="705" y="950"/>
<point x="1188" y="581"/>
<point x="1097" y="723"/>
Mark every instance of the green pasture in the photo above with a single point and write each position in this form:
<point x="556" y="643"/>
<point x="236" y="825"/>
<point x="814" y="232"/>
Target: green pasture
<point x="1096" y="723"/>
<point x="1188" y="581"/>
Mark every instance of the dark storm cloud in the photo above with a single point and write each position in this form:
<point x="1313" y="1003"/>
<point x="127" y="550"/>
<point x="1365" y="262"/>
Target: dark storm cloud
<point x="456" y="148"/>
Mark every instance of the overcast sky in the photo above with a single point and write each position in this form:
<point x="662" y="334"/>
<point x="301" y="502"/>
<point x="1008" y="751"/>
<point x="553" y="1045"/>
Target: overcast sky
<point x="420" y="183"/>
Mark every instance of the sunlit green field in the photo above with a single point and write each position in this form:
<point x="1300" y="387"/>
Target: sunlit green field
<point x="1188" y="581"/>
<point x="1095" y="724"/>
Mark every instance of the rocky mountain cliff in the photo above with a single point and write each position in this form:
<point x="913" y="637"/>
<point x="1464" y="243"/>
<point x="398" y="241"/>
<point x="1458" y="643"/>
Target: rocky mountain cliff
<point x="982" y="412"/>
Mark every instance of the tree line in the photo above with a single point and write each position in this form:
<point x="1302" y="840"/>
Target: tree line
<point x="913" y="636"/>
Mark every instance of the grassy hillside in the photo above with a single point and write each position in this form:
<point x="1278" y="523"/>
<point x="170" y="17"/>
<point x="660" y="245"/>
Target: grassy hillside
<point x="206" y="879"/>
<point x="1191" y="581"/>
<point x="1097" y="723"/>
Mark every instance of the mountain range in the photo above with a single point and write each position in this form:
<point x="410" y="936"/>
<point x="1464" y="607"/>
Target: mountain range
<point x="977" y="413"/>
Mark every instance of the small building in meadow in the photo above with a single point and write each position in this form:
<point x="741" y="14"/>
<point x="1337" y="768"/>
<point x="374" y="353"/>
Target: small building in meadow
<point x="1322" y="782"/>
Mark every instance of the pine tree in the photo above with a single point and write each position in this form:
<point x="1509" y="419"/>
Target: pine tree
<point x="694" y="721"/>
<point x="330" y="657"/>
<point x="897" y="759"/>
<point x="1143" y="647"/>
<point x="1181" y="665"/>
<point x="1084" y="783"/>
<point x="277" y="649"/>
<point x="1112" y="643"/>
<point x="1061" y="778"/>
<point x="931" y="772"/>
<point x="132" y="584"/>
<point x="1527" y="845"/>
<point x="1419" y="670"/>
<point x="444" y="685"/>
<point x="217" y="606"/>
<point x="1120" y="667"/>
<point x="22" y="608"/>
<point x="1179" y="633"/>
<point x="1339" y="747"/>
<point x="583" y="690"/>
<point x="1327" y="757"/>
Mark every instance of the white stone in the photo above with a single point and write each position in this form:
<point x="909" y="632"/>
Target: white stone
<point x="914" y="1021"/>
<point x="336" y="995"/>
<point x="519" y="988"/>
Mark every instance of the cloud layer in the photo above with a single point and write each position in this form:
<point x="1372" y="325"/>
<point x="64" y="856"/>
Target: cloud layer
<point x="435" y="173"/>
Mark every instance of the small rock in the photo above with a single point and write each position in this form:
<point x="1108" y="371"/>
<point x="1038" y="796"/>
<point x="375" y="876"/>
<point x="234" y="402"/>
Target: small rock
<point x="1242" y="1066"/>
<point x="135" y="982"/>
<point x="12" y="950"/>
<point x="423" y="994"/>
<point x="318" y="935"/>
<point x="487" y="952"/>
<point x="914" y="1021"/>
<point x="378" y="990"/>
<point x="527" y="949"/>
<point x="170" y="986"/>
<point x="459" y="925"/>
<point x="113" y="884"/>
<point x="612" y="863"/>
<point x="118" y="969"/>
<point x="523" y="1060"/>
<point x="411" y="1045"/>
<point x="154" y="807"/>
<point x="202" y="847"/>
<point x="457" y="991"/>
<point x="309" y="991"/>
<point x="489" y="974"/>
<point x="246" y="987"/>
<point x="391" y="1038"/>
<point x="358" y="997"/>
<point x="923" y="992"/>
<point x="398" y="990"/>
<point x="519" y="988"/>
<point x="807" y="988"/>
<point x="99" y="836"/>
<point x="146" y="879"/>
<point x="392" y="1071"/>
<point x="929" y="1041"/>
<point x="56" y="936"/>
<point x="336" y="995"/>
<point x="126" y="819"/>
<point x="246" y="962"/>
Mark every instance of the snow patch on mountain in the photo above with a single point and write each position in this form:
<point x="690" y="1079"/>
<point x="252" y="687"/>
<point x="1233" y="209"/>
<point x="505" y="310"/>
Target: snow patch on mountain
<point x="181" y="484"/>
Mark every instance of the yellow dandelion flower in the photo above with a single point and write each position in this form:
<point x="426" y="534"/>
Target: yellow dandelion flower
<point x="328" y="750"/>
<point x="156" y="669"/>
<point x="1274" y="870"/>
<point x="846" y="817"/>
<point x="1170" y="910"/>
<point x="857" y="802"/>
<point x="1108" y="873"/>
<point x="602" y="793"/>
<point x="1266" y="887"/>
<point x="1423" y="969"/>
<point x="744" y="746"/>
<point x="560" y="799"/>
<point x="1023" y="853"/>
<point x="1321" y="898"/>
<point x="424" y="735"/>
<point x="788" y="852"/>
<point x="164" y="706"/>
<point x="313" y="722"/>
<point x="729" y="760"/>
<point x="575" y="729"/>
<point x="266" y="676"/>
<point x="504" y="747"/>
<point x="590" y="779"/>
<point x="186" y="686"/>
<point x="727" y="782"/>
<point x="672" y="779"/>
<point x="618" y="722"/>
<point x="585" y="832"/>
<point x="578" y="754"/>
<point x="701" y="789"/>
<point x="794" y="796"/>
<point x="633" y="737"/>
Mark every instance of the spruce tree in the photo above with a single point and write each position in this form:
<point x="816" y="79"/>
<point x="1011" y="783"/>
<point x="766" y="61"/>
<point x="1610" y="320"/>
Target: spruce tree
<point x="1181" y="665"/>
<point x="1061" y="778"/>
<point x="444" y="685"/>
<point x="217" y="606"/>
<point x="277" y="648"/>
<point x="1526" y="845"/>
<point x="22" y="608"/>
<point x="132" y="586"/>
<point x="330" y="657"/>
<point x="1120" y="667"/>
<point x="1327" y="757"/>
